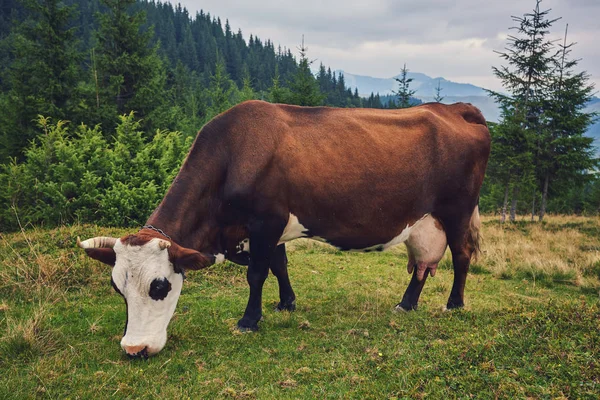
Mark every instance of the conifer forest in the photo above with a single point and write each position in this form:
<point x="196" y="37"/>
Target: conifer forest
<point x="101" y="100"/>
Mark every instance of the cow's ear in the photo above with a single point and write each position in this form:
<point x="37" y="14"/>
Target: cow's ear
<point x="188" y="258"/>
<point x="107" y="256"/>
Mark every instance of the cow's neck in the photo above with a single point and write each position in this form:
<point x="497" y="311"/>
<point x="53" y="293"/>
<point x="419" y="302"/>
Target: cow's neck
<point x="188" y="212"/>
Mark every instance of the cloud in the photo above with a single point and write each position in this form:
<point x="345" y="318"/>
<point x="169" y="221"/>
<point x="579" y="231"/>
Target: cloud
<point x="455" y="39"/>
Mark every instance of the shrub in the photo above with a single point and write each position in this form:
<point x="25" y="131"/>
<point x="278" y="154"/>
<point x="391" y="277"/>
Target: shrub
<point x="75" y="174"/>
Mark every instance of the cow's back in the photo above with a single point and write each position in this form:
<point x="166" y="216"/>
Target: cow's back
<point x="344" y="170"/>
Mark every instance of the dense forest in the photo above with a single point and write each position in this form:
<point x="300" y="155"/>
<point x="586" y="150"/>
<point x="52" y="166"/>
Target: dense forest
<point x="108" y="78"/>
<point x="101" y="99"/>
<point x="90" y="61"/>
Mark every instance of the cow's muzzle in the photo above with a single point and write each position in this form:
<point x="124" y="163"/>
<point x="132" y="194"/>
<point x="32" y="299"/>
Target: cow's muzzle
<point x="136" y="351"/>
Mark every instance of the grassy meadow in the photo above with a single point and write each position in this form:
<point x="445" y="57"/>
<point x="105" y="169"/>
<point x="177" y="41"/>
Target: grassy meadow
<point x="530" y="328"/>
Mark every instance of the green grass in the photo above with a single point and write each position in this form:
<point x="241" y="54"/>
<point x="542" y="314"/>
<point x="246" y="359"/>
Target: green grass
<point x="518" y="337"/>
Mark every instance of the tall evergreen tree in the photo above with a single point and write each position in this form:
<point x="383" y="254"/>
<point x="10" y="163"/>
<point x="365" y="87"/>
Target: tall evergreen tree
<point x="404" y="92"/>
<point x="246" y="92"/>
<point x="131" y="73"/>
<point x="277" y="93"/>
<point x="438" y="98"/>
<point x="529" y="61"/>
<point x="220" y="91"/>
<point x="304" y="86"/>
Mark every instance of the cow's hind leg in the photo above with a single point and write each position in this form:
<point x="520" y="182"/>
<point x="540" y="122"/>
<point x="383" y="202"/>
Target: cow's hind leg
<point x="426" y="245"/>
<point x="264" y="235"/>
<point x="287" y="298"/>
<point x="464" y="244"/>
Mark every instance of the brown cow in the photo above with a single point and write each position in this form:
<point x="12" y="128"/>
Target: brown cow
<point x="262" y="174"/>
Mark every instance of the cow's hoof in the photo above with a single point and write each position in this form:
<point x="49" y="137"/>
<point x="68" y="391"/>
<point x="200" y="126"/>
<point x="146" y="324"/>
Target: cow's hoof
<point x="286" y="306"/>
<point x="452" y="304"/>
<point x="405" y="307"/>
<point x="244" y="325"/>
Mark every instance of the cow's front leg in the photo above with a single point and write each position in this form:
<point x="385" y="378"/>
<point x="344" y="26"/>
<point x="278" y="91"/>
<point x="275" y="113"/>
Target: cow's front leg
<point x="263" y="243"/>
<point x="256" y="275"/>
<point x="287" y="298"/>
<point x="410" y="299"/>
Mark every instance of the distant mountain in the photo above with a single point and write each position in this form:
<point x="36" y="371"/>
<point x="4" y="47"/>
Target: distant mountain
<point x="425" y="90"/>
<point x="452" y="91"/>
<point x="423" y="84"/>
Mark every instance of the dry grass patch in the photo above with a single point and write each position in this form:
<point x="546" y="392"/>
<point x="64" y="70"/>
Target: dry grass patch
<point x="562" y="249"/>
<point x="36" y="260"/>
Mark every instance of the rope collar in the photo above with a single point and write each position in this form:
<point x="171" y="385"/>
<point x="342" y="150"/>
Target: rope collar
<point x="157" y="230"/>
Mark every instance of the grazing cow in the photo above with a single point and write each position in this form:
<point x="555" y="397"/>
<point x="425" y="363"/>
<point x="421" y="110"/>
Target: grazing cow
<point x="262" y="174"/>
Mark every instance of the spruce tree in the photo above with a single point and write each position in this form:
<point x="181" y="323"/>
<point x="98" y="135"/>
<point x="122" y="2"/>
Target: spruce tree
<point x="404" y="92"/>
<point x="438" y="98"/>
<point x="221" y="90"/>
<point x="131" y="74"/>
<point x="246" y="93"/>
<point x="529" y="61"/>
<point x="277" y="93"/>
<point x="303" y="86"/>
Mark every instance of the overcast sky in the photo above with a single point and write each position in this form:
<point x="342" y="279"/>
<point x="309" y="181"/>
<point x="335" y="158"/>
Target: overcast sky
<point x="453" y="39"/>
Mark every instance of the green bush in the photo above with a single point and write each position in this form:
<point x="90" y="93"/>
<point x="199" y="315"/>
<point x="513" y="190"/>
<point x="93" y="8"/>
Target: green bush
<point x="74" y="174"/>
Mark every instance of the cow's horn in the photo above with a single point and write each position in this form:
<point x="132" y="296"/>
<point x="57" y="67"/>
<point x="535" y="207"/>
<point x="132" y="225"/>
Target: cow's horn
<point x="97" y="242"/>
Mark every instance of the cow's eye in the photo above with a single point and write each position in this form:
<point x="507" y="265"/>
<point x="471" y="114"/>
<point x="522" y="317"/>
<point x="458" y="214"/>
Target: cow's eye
<point x="159" y="288"/>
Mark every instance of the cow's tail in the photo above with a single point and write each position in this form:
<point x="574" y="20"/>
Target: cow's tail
<point x="474" y="237"/>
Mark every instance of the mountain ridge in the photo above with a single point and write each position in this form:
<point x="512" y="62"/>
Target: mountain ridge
<point x="422" y="83"/>
<point x="452" y="92"/>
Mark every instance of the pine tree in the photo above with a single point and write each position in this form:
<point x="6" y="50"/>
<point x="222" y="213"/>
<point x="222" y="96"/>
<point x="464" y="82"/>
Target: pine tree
<point x="404" y="93"/>
<point x="277" y="93"/>
<point x="529" y="61"/>
<point x="324" y="80"/>
<point x="303" y="86"/>
<point x="246" y="93"/>
<point x="438" y="98"/>
<point x="131" y="73"/>
<point x="220" y="91"/>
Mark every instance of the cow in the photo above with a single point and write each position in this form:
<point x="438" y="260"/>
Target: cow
<point x="261" y="174"/>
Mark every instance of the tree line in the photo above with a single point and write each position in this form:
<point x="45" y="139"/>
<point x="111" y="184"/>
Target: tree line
<point x="79" y="78"/>
<point x="101" y="99"/>
<point x="92" y="61"/>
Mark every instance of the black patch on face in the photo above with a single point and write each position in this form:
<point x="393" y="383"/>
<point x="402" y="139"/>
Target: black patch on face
<point x="112" y="283"/>
<point x="126" y="317"/>
<point x="159" y="288"/>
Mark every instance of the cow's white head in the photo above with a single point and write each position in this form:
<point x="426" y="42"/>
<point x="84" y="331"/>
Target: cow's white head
<point x="148" y="273"/>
